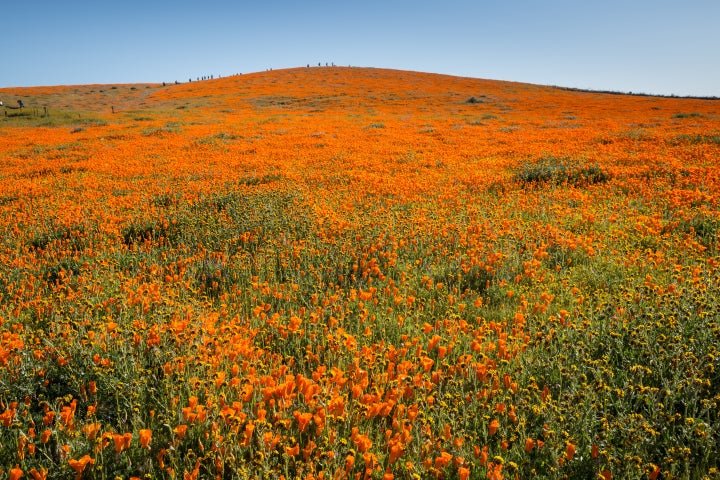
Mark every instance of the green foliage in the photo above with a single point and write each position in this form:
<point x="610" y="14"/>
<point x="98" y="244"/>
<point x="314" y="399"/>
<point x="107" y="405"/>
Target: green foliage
<point x="261" y="180"/>
<point x="162" y="232"/>
<point x="221" y="137"/>
<point x="73" y="238"/>
<point x="61" y="270"/>
<point x="688" y="115"/>
<point x="210" y="277"/>
<point x="705" y="228"/>
<point x="560" y="171"/>
<point x="169" y="128"/>
<point x="698" y="139"/>
<point x="39" y="117"/>
<point x="631" y="380"/>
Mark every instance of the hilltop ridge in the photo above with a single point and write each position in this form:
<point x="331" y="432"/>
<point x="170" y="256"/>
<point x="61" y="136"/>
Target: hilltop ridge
<point x="323" y="88"/>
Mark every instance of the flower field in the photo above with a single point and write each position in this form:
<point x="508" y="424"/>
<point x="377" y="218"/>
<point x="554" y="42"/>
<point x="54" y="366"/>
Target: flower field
<point x="358" y="273"/>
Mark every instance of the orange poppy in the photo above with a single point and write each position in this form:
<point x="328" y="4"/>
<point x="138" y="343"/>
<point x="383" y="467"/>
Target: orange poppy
<point x="145" y="438"/>
<point x="493" y="426"/>
<point x="15" y="473"/>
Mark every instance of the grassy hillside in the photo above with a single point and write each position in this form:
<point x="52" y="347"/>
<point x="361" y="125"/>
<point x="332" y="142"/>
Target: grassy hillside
<point x="358" y="273"/>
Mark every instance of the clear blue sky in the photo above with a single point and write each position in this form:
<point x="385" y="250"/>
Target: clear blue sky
<point x="652" y="46"/>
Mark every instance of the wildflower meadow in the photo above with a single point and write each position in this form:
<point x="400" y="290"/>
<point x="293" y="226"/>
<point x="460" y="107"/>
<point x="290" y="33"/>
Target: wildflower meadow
<point x="357" y="273"/>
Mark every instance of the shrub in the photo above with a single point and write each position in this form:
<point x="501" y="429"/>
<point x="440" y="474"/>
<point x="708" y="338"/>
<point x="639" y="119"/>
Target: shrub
<point x="688" y="115"/>
<point x="699" y="139"/>
<point x="560" y="171"/>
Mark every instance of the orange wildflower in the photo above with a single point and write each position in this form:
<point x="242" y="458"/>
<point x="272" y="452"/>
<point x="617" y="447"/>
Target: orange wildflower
<point x="569" y="451"/>
<point x="427" y="363"/>
<point x="67" y="415"/>
<point x="15" y="473"/>
<point x="39" y="475"/>
<point x="194" y="474"/>
<point x="396" y="451"/>
<point x="493" y="427"/>
<point x="654" y="471"/>
<point x="363" y="443"/>
<point x="21" y="445"/>
<point x="91" y="430"/>
<point x="80" y="464"/>
<point x="49" y="417"/>
<point x="7" y="416"/>
<point x="495" y="471"/>
<point x="180" y="430"/>
<point x="119" y="442"/>
<point x="303" y="419"/>
<point x="349" y="462"/>
<point x="529" y="444"/>
<point x="145" y="438"/>
<point x="481" y="453"/>
<point x="443" y="460"/>
<point x="122" y="442"/>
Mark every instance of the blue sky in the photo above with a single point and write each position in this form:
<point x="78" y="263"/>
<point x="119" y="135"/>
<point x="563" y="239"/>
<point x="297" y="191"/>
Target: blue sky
<point x="658" y="46"/>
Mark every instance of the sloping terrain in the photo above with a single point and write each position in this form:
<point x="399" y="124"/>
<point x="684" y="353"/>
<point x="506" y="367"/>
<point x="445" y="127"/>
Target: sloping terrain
<point x="358" y="273"/>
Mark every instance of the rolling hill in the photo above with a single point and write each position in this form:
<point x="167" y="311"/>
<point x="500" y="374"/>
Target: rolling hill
<point x="337" y="272"/>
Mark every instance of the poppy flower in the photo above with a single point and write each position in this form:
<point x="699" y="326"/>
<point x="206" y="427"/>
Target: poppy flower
<point x="493" y="426"/>
<point x="80" y="464"/>
<point x="15" y="473"/>
<point x="569" y="451"/>
<point x="145" y="438"/>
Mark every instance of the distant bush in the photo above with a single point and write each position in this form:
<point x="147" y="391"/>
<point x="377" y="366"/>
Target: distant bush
<point x="698" y="139"/>
<point x="221" y="137"/>
<point x="163" y="232"/>
<point x="71" y="239"/>
<point x="255" y="180"/>
<point x="160" y="131"/>
<point x="560" y="171"/>
<point x="688" y="115"/>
